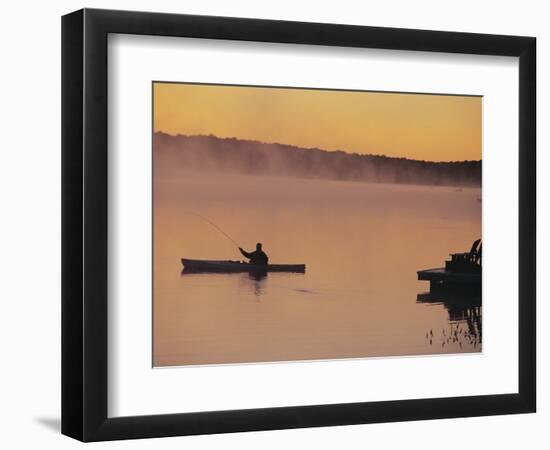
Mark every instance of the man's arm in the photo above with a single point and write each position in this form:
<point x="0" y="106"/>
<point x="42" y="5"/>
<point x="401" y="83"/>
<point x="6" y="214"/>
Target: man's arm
<point x="246" y="254"/>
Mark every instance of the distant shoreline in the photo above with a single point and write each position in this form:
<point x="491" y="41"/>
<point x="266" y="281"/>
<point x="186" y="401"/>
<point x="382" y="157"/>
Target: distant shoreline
<point x="211" y="153"/>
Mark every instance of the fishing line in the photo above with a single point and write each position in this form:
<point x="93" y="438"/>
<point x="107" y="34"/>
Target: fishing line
<point x="215" y="226"/>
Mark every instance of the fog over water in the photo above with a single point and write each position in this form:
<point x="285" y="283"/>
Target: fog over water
<point x="177" y="154"/>
<point x="362" y="244"/>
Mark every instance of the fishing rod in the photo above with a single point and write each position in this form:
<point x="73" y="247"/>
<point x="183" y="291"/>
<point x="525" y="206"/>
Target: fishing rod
<point x="215" y="226"/>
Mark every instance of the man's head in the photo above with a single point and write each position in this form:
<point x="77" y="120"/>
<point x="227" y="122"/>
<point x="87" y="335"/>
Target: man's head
<point x="258" y="246"/>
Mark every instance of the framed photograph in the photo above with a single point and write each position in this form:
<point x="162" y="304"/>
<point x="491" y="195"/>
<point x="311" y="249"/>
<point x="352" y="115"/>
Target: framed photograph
<point x="273" y="224"/>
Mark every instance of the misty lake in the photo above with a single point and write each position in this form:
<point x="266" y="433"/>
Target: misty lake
<point x="362" y="244"/>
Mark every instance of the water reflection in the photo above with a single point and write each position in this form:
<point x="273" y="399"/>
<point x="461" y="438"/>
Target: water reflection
<point x="255" y="280"/>
<point x="258" y="279"/>
<point x="464" y="318"/>
<point x="353" y="238"/>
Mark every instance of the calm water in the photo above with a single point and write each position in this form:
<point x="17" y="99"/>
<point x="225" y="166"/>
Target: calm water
<point x="362" y="244"/>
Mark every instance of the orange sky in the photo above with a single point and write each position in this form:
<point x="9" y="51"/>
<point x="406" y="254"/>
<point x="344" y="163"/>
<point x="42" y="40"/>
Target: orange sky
<point x="429" y="127"/>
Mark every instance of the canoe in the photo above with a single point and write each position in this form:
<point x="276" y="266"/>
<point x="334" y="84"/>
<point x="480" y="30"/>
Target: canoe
<point x="205" y="265"/>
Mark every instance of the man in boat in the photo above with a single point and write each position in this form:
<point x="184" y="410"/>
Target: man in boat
<point x="257" y="257"/>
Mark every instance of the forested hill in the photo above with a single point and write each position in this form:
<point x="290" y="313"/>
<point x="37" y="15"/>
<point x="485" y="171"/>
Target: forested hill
<point x="210" y="153"/>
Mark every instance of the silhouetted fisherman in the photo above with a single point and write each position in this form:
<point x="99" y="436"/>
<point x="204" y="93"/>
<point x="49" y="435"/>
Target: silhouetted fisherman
<point x="257" y="257"/>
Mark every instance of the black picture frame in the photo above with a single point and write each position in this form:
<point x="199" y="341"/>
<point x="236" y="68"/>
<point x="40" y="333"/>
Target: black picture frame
<point x="84" y="224"/>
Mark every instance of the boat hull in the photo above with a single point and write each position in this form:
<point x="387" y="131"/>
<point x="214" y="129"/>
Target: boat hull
<point x="214" y="266"/>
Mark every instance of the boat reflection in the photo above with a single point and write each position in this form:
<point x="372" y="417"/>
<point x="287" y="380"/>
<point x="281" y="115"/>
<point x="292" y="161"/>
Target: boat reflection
<point x="258" y="279"/>
<point x="257" y="276"/>
<point x="253" y="275"/>
<point x="255" y="279"/>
